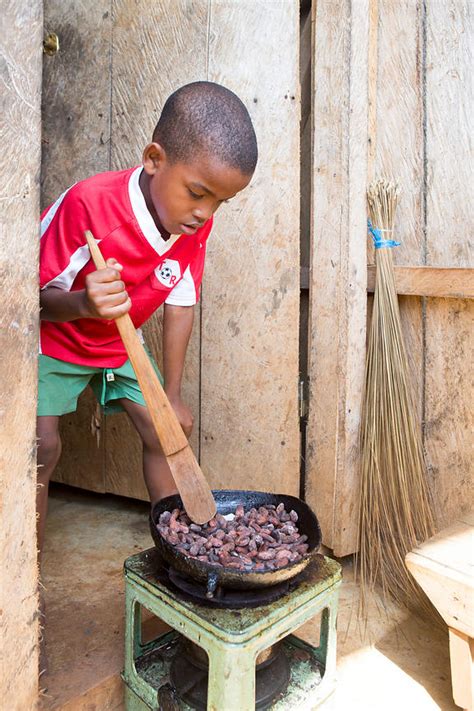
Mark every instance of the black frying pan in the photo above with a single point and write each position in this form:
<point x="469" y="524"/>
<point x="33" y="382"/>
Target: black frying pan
<point x="227" y="501"/>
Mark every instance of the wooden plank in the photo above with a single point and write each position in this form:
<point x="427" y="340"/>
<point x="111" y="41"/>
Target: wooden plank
<point x="76" y="135"/>
<point x="461" y="652"/>
<point x="449" y="384"/>
<point x="172" y="37"/>
<point x="452" y="596"/>
<point x="249" y="415"/>
<point x="20" y="130"/>
<point x="399" y="153"/>
<point x="445" y="282"/>
<point x="76" y="94"/>
<point x="444" y="567"/>
<point x="338" y="275"/>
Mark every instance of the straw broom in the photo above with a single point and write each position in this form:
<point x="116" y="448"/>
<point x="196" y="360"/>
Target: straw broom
<point x="395" y="506"/>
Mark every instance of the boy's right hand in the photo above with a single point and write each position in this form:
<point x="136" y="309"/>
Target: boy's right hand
<point x="105" y="292"/>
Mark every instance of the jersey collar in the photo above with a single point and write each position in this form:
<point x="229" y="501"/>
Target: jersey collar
<point x="144" y="219"/>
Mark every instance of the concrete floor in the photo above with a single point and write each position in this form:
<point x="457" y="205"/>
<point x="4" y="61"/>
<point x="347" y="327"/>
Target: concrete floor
<point x="88" y="537"/>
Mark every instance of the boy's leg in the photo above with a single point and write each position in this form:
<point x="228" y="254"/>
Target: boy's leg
<point x="49" y="450"/>
<point x="158" y="478"/>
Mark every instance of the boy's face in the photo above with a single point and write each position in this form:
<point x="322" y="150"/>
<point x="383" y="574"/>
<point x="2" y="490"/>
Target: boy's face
<point x="184" y="195"/>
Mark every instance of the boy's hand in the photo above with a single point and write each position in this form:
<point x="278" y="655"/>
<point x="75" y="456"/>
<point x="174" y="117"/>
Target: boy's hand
<point x="183" y="413"/>
<point x="105" y="292"/>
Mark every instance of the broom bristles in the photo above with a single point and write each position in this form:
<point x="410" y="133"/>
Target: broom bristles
<point x="395" y="504"/>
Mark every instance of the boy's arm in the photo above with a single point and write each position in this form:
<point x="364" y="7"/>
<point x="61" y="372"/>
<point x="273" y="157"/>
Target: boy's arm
<point x="177" y="327"/>
<point x="104" y="297"/>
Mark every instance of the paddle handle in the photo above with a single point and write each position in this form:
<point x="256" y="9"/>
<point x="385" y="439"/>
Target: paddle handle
<point x="168" y="429"/>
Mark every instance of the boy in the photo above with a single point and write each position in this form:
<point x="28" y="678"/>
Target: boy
<point x="153" y="223"/>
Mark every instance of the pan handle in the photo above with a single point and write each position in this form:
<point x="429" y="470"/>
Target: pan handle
<point x="212" y="583"/>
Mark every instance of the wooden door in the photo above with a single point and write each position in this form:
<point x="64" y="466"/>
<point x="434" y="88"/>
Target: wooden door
<point x="392" y="95"/>
<point x="103" y="93"/>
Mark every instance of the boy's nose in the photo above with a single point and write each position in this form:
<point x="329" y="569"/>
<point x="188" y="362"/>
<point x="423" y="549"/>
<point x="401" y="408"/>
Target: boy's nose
<point x="201" y="214"/>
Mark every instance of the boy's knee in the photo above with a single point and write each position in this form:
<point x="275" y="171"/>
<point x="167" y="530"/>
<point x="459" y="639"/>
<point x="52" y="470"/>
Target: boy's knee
<point x="150" y="440"/>
<point x="49" y="451"/>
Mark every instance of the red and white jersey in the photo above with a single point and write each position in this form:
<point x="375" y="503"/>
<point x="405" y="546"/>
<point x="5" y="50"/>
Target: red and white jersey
<point x="111" y="205"/>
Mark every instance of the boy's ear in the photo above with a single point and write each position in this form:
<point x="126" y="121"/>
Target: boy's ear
<point x="154" y="156"/>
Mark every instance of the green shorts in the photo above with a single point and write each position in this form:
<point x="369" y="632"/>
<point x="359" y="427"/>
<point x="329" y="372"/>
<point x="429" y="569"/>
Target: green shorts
<point x="60" y="384"/>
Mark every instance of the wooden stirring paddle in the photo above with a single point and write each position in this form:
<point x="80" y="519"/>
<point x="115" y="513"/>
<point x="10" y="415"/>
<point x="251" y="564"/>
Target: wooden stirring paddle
<point x="190" y="481"/>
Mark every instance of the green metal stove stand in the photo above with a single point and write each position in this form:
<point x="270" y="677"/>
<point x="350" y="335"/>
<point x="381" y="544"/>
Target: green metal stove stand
<point x="232" y="639"/>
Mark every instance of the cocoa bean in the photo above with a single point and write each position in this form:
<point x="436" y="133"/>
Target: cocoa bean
<point x="293" y="516"/>
<point x="301" y="548"/>
<point x="281" y="562"/>
<point x="227" y="548"/>
<point x="282" y="553"/>
<point x="266" y="555"/>
<point x="239" y="511"/>
<point x="242" y="541"/>
<point x="216" y="542"/>
<point x="194" y="527"/>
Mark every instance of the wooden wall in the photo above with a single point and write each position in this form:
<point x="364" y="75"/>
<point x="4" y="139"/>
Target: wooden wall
<point x="413" y="57"/>
<point x="242" y="369"/>
<point x="20" y="126"/>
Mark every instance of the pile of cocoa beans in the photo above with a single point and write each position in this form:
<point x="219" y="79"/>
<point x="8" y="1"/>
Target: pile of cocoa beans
<point x="260" y="539"/>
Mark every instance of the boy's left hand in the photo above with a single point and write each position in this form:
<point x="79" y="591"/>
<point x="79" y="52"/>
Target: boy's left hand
<point x="183" y="413"/>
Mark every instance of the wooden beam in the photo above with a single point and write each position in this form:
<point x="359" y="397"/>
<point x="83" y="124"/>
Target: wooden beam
<point x="447" y="282"/>
<point x="20" y="51"/>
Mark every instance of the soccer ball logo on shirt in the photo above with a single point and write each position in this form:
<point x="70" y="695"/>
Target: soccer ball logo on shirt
<point x="168" y="272"/>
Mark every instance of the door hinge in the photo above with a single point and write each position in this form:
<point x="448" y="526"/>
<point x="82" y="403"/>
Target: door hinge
<point x="302" y="399"/>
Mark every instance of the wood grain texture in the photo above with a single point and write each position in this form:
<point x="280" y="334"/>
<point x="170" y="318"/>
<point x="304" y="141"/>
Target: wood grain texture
<point x="338" y="275"/>
<point x="446" y="282"/>
<point x="449" y="384"/>
<point x="444" y="566"/>
<point x="157" y="47"/>
<point x="20" y="136"/>
<point x="249" y="410"/>
<point x="76" y="94"/>
<point x="76" y="136"/>
<point x="399" y="153"/>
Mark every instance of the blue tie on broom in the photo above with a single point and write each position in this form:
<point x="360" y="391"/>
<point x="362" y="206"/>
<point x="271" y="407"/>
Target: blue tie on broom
<point x="396" y="513"/>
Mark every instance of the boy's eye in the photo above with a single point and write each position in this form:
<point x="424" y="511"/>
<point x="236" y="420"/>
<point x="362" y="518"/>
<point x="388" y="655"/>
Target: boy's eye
<point x="194" y="195"/>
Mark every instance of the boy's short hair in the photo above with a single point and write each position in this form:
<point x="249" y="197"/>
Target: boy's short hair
<point x="204" y="118"/>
